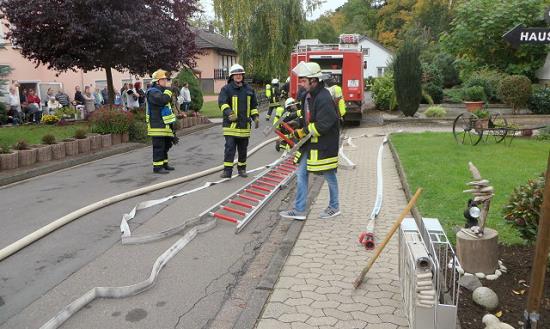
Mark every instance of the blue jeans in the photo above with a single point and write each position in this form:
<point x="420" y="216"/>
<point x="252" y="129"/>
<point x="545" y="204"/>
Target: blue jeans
<point x="302" y="182"/>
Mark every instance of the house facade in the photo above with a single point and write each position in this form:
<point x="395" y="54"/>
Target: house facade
<point x="376" y="58"/>
<point x="218" y="54"/>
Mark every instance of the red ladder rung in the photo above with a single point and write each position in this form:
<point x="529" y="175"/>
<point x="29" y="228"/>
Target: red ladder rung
<point x="284" y="171"/>
<point x="276" y="174"/>
<point x="288" y="127"/>
<point x="283" y="137"/>
<point x="273" y="180"/>
<point x="261" y="188"/>
<point x="242" y="204"/>
<point x="288" y="167"/>
<point x="266" y="183"/>
<point x="233" y="210"/>
<point x="246" y="197"/>
<point x="254" y="193"/>
<point x="224" y="217"/>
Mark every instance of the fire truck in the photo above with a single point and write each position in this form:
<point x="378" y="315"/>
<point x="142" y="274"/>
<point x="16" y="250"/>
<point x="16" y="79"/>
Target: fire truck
<point x="343" y="61"/>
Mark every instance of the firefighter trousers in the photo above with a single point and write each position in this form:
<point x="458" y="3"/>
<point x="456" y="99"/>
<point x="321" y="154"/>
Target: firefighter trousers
<point x="232" y="144"/>
<point x="161" y="145"/>
<point x="270" y="110"/>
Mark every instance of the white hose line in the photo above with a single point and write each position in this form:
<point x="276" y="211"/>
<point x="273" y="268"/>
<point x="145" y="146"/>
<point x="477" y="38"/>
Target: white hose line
<point x="134" y="289"/>
<point x="38" y="234"/>
<point x="379" y="182"/>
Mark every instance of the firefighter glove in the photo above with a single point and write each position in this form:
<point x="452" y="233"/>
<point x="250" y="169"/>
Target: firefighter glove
<point x="175" y="140"/>
<point x="299" y="133"/>
<point x="232" y="117"/>
<point x="256" y="123"/>
<point x="168" y="92"/>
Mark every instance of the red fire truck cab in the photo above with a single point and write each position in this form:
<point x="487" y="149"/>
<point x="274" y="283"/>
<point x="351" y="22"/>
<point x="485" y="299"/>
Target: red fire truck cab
<point x="344" y="61"/>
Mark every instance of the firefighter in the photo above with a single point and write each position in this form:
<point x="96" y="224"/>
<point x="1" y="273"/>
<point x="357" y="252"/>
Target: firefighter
<point x="337" y="95"/>
<point x="273" y="94"/>
<point x="290" y="114"/>
<point x="238" y="103"/>
<point x="319" y="155"/>
<point x="285" y="88"/>
<point x="160" y="120"/>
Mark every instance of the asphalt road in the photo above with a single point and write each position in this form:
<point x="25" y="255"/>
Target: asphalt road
<point x="43" y="277"/>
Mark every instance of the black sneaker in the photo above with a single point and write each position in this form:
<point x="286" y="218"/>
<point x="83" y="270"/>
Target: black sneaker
<point x="225" y="174"/>
<point x="167" y="167"/>
<point x="160" y="170"/>
<point x="243" y="173"/>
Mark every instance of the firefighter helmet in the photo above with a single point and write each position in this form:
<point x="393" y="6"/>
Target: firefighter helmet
<point x="236" y="69"/>
<point x="289" y="102"/>
<point x="275" y="81"/>
<point x="308" y="70"/>
<point x="159" y="74"/>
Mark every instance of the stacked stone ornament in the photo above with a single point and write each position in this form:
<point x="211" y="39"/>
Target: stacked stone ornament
<point x="482" y="194"/>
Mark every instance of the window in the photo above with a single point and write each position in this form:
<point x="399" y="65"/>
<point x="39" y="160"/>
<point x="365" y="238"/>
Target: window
<point x="366" y="51"/>
<point x="381" y="71"/>
<point x="226" y="61"/>
<point x="2" y="40"/>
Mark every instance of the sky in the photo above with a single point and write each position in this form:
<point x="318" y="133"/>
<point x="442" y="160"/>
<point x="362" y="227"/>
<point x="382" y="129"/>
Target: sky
<point x="326" y="6"/>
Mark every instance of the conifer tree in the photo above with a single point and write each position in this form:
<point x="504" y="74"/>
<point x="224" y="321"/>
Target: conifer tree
<point x="408" y="78"/>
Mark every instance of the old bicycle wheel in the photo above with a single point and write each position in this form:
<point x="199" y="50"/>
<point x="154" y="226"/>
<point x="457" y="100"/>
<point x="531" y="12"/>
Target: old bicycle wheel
<point x="466" y="129"/>
<point x="498" y="127"/>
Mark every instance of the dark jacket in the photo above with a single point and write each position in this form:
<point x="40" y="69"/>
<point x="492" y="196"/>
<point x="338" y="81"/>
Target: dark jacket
<point x="240" y="100"/>
<point x="322" y="149"/>
<point x="159" y="115"/>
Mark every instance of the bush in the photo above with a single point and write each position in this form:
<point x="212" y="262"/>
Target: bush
<point x="435" y="92"/>
<point x="186" y="75"/>
<point x="454" y="95"/>
<point x="524" y="206"/>
<point x="544" y="133"/>
<point x="21" y="145"/>
<point x="435" y="112"/>
<point x="49" y="119"/>
<point x="3" y="113"/>
<point x="487" y="80"/>
<point x="110" y="121"/>
<point x="539" y="102"/>
<point x="432" y="84"/>
<point x="474" y="94"/>
<point x="383" y="93"/>
<point x="408" y="78"/>
<point x="66" y="112"/>
<point x="48" y="139"/>
<point x="5" y="149"/>
<point x="515" y="91"/>
<point x="138" y="131"/>
<point x="80" y="134"/>
<point x="446" y="65"/>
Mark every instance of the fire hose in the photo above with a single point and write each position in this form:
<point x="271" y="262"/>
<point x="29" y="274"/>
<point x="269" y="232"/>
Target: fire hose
<point x="45" y="230"/>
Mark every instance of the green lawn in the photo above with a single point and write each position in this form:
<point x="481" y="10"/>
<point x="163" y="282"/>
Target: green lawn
<point x="33" y="133"/>
<point x="211" y="110"/>
<point x="435" y="162"/>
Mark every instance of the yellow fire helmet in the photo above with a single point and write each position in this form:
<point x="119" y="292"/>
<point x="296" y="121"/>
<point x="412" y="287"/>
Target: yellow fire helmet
<point x="160" y="74"/>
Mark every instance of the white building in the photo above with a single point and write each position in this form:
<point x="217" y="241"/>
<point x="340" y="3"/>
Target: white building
<point x="376" y="57"/>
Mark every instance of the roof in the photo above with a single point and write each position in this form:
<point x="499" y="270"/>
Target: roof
<point x="376" y="43"/>
<point x="204" y="39"/>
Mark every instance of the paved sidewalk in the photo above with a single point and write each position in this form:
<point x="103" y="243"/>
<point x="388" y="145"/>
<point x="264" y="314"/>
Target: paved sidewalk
<point x="315" y="285"/>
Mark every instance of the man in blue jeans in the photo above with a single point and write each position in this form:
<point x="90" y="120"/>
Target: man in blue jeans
<point x="319" y="155"/>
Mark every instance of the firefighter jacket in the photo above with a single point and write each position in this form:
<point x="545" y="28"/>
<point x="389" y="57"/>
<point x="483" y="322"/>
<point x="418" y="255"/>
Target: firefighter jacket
<point x="241" y="101"/>
<point x="272" y="93"/>
<point x="279" y="111"/>
<point x="320" y="116"/>
<point x="159" y="115"/>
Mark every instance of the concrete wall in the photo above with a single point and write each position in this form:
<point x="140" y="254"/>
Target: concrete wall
<point x="377" y="57"/>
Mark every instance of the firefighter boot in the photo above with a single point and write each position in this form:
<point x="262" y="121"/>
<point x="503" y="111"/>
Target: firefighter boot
<point x="242" y="173"/>
<point x="167" y="167"/>
<point x="226" y="174"/>
<point x="160" y="170"/>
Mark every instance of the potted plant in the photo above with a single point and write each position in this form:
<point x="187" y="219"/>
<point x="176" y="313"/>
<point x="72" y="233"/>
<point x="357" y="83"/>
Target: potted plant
<point x="8" y="158"/>
<point x="83" y="141"/>
<point x="44" y="150"/>
<point x="474" y="98"/>
<point x="26" y="155"/>
<point x="71" y="146"/>
<point x="483" y="116"/>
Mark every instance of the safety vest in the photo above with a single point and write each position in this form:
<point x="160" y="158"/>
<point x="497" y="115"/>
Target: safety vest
<point x="272" y="94"/>
<point x="242" y="102"/>
<point x="278" y="114"/>
<point x="158" y="113"/>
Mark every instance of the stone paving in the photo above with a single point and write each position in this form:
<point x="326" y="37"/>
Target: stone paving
<point x="315" y="286"/>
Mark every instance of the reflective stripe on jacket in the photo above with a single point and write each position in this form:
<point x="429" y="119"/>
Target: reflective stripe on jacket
<point x="159" y="115"/>
<point x="241" y="101"/>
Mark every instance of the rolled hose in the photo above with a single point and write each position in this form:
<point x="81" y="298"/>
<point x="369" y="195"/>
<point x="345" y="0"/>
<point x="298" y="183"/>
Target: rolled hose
<point x="45" y="230"/>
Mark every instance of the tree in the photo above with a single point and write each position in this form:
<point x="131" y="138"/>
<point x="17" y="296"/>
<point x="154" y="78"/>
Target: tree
<point x="408" y="77"/>
<point x="4" y="71"/>
<point x="477" y="29"/>
<point x="139" y="36"/>
<point x="264" y="31"/>
<point x="186" y="75"/>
